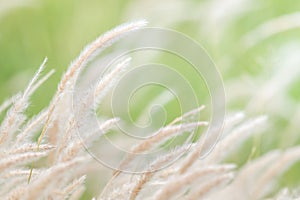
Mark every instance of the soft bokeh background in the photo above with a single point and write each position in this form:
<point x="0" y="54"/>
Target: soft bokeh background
<point x="254" y="43"/>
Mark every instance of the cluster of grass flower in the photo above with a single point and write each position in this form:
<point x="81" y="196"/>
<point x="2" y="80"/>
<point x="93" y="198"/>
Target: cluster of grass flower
<point x="55" y="166"/>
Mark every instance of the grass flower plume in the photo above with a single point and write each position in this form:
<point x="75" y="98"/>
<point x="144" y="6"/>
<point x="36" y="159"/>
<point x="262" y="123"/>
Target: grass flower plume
<point x="43" y="158"/>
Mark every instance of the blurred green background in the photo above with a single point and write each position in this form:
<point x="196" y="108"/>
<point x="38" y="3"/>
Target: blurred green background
<point x="32" y="30"/>
<point x="254" y="46"/>
<point x="54" y="29"/>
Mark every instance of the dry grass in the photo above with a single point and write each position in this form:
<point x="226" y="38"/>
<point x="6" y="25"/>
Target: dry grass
<point x="57" y="163"/>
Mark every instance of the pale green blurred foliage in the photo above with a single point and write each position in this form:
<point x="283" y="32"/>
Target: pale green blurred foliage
<point x="261" y="76"/>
